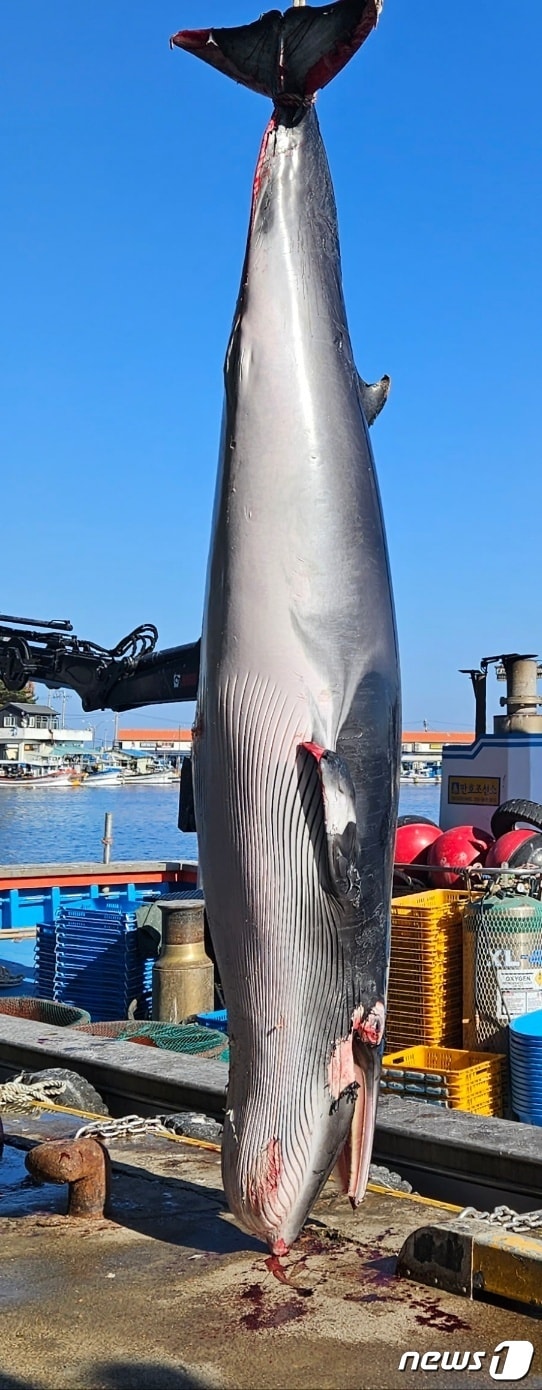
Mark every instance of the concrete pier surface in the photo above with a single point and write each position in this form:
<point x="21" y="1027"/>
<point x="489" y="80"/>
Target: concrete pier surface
<point x="169" y="1294"/>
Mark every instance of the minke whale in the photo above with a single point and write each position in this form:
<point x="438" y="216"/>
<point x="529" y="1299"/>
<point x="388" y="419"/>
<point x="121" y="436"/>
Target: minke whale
<point x="297" y="729"/>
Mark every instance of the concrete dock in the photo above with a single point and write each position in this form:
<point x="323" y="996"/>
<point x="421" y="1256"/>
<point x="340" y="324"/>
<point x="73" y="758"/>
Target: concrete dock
<point x="170" y="1294"/>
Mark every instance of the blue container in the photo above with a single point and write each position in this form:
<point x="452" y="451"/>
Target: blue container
<point x="526" y="1067"/>
<point x="99" y="963"/>
<point x="528" y="1026"/>
<point x="217" y="1018"/>
<point x="44" y="960"/>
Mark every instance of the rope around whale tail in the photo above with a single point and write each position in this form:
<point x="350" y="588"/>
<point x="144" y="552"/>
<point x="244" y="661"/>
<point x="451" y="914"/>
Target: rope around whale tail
<point x="289" y="56"/>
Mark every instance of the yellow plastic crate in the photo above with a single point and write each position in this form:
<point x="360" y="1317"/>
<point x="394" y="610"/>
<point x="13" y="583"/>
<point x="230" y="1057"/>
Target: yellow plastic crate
<point x="454" y="1063"/>
<point x="411" y="1009"/>
<point x="419" y="958"/>
<point x="412" y="987"/>
<point x="400" y="1035"/>
<point x="435" y="946"/>
<point x="434" y="905"/>
<point x="453" y="1077"/>
<point x="426" y="981"/>
<point x="421" y="994"/>
<point x="437" y="939"/>
<point x="437" y="1032"/>
<point x="495" y="1108"/>
<point x="417" y="994"/>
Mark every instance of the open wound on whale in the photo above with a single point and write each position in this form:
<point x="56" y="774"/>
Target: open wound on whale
<point x="265" y="1176"/>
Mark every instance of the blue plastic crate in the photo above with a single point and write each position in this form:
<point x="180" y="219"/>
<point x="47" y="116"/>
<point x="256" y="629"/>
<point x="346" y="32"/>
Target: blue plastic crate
<point x="98" y="962"/>
<point x="216" y="1018"/>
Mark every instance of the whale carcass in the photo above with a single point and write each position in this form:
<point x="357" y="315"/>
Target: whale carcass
<point x="297" y="730"/>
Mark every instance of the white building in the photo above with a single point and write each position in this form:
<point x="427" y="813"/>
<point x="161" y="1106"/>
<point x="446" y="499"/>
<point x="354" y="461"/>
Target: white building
<point x="31" y="734"/>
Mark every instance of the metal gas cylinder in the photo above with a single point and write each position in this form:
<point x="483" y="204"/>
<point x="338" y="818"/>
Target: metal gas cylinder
<point x="502" y="967"/>
<point x="183" y="975"/>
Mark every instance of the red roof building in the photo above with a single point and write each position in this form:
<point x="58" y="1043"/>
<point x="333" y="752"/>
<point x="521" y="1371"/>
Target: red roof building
<point x="154" y="740"/>
<point x="180" y="740"/>
<point x="431" y="740"/>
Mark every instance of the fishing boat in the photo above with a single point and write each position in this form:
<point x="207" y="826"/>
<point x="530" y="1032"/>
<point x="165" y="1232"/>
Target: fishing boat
<point x="104" y="776"/>
<point x="413" y="772"/>
<point x="157" y="778"/>
<point x="36" y="775"/>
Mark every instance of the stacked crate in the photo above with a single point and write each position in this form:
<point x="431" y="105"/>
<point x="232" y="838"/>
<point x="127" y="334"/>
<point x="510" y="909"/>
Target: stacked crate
<point x="98" y="960"/>
<point x="44" y="960"/>
<point x="426" y="970"/>
<point x="453" y="1078"/>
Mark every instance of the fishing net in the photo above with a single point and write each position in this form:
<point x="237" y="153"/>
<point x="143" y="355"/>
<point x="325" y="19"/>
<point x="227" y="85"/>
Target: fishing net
<point x="45" y="1011"/>
<point x="190" y="1038"/>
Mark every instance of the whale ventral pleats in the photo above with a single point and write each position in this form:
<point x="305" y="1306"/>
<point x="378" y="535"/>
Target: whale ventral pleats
<point x="289" y="56"/>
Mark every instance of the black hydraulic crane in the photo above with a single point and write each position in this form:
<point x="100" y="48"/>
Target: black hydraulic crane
<point x="124" y="677"/>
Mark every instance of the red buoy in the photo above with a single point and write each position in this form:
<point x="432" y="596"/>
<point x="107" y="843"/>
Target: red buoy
<point x="462" y="846"/>
<point x="501" y="849"/>
<point x="412" y="842"/>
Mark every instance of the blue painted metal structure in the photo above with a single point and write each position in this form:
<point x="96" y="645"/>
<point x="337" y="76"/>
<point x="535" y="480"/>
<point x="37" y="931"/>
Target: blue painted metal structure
<point x="29" y="898"/>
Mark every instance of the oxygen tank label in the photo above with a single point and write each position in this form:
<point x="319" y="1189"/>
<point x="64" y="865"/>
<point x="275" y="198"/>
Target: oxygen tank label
<point x="520" y="992"/>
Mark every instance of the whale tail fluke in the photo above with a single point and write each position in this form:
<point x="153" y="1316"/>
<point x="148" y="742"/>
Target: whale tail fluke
<point x="287" y="56"/>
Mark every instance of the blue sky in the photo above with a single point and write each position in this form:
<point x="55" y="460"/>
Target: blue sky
<point x="127" y="172"/>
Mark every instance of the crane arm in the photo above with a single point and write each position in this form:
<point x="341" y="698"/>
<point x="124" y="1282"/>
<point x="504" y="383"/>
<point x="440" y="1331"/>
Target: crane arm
<point x="124" y="677"/>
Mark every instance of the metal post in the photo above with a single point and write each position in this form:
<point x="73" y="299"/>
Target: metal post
<point x="107" y="837"/>
<point x="479" y="684"/>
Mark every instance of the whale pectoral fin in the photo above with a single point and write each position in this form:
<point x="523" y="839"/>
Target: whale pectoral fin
<point x="353" y="1163"/>
<point x="187" y="813"/>
<point x="339" y="806"/>
<point x="373" y="398"/>
<point x="367" y="1067"/>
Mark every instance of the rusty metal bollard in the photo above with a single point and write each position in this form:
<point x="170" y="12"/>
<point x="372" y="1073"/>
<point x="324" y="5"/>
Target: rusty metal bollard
<point x="84" y="1164"/>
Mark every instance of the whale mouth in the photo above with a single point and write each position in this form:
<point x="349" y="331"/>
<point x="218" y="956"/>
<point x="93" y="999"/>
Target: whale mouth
<point x="271" y="1183"/>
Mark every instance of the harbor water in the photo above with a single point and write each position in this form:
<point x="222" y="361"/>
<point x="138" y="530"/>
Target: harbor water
<point x="65" y="824"/>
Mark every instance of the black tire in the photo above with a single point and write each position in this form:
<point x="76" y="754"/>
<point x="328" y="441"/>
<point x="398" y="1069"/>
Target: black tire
<point x="529" y="852"/>
<point x="77" y="1092"/>
<point x="509" y="813"/>
<point x="404" y="883"/>
<point x="416" y="820"/>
